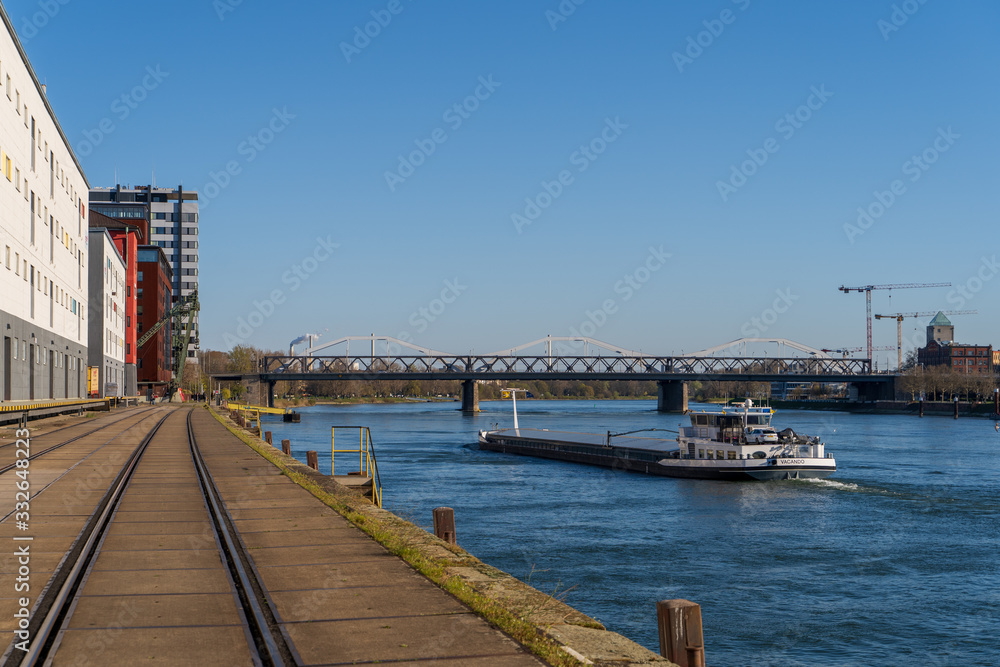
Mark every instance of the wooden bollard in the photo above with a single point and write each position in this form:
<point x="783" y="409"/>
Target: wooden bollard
<point x="286" y="447"/>
<point x="956" y="407"/>
<point x="921" y="407"/>
<point x="267" y="438"/>
<point x="681" y="640"/>
<point x="312" y="460"/>
<point x="444" y="524"/>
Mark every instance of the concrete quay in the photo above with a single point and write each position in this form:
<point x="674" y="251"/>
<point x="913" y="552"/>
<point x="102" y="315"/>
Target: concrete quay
<point x="345" y="582"/>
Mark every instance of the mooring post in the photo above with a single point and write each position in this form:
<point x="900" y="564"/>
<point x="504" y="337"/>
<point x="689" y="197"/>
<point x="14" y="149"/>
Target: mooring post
<point x="681" y="639"/>
<point x="286" y="447"/>
<point x="956" y="407"/>
<point x="444" y="524"/>
<point x="921" y="406"/>
<point x="267" y="438"/>
<point x="996" y="401"/>
<point x="312" y="460"/>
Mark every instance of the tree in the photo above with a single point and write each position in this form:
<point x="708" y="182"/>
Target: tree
<point x="243" y="359"/>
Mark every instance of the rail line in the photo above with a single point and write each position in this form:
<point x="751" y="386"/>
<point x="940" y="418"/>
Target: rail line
<point x="263" y="631"/>
<point x="52" y="608"/>
<point x="53" y="613"/>
<point x="47" y="450"/>
<point x="37" y="492"/>
<point x="58" y="430"/>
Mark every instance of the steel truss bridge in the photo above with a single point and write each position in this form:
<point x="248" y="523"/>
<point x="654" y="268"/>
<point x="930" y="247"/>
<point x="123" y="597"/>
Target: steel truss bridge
<point x="563" y="358"/>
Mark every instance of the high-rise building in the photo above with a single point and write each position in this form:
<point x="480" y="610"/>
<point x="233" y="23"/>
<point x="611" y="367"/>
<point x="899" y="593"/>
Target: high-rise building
<point x="43" y="239"/>
<point x="172" y="215"/>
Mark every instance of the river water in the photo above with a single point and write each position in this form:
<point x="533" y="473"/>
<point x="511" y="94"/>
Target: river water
<point x="894" y="560"/>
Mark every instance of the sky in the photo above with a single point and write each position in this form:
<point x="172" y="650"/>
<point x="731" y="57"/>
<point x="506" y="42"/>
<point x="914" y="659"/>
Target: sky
<point x="665" y="177"/>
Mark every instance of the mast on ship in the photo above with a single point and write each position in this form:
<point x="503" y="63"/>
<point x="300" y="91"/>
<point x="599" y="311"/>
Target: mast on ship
<point x="512" y="394"/>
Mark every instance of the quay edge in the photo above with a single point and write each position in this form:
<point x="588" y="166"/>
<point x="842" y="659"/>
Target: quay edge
<point x="551" y="629"/>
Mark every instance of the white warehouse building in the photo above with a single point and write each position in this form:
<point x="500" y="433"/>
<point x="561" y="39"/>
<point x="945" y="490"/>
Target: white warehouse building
<point x="43" y="239"/>
<point x="107" y="314"/>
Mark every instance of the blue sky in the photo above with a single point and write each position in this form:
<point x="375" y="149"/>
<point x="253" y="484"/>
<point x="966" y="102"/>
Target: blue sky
<point x="675" y="101"/>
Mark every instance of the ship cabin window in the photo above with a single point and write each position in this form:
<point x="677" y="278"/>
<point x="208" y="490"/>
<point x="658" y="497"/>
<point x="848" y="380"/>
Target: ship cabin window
<point x="720" y="454"/>
<point x="702" y="420"/>
<point x="701" y="453"/>
<point x="732" y="455"/>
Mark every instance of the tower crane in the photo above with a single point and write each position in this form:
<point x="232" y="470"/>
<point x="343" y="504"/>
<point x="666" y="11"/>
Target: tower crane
<point x="867" y="289"/>
<point x="899" y="326"/>
<point x="850" y="350"/>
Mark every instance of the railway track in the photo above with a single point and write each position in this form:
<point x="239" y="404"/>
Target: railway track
<point x="52" y="448"/>
<point x="159" y="473"/>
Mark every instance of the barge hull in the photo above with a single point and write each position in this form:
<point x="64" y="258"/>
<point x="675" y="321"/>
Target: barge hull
<point x="620" y="461"/>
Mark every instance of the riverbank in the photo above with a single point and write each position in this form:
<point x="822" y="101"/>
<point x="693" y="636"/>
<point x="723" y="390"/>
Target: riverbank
<point x="931" y="408"/>
<point x="368" y="400"/>
<point x="543" y="623"/>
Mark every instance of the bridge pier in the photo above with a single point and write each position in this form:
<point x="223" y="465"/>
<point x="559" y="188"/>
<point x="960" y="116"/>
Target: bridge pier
<point x="875" y="391"/>
<point x="270" y="393"/>
<point x="671" y="396"/>
<point x="470" y="397"/>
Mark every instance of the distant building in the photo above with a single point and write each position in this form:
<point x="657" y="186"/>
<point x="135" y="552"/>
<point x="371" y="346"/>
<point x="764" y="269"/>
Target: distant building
<point x="128" y="234"/>
<point x="43" y="239"/>
<point x="172" y="216"/>
<point x="107" y="314"/>
<point x="940" y="329"/>
<point x="155" y="299"/>
<point x="942" y="350"/>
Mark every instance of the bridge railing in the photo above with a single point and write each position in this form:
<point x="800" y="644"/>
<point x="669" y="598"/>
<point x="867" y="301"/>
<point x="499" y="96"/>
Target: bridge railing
<point x="541" y="365"/>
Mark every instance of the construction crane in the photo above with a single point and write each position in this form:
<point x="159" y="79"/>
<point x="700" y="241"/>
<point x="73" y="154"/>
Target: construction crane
<point x="180" y="336"/>
<point x="867" y="289"/>
<point x="850" y="350"/>
<point x="899" y="326"/>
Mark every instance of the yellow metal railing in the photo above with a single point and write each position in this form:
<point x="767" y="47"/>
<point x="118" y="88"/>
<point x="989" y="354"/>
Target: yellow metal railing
<point x="366" y="458"/>
<point x="253" y="418"/>
<point x="262" y="409"/>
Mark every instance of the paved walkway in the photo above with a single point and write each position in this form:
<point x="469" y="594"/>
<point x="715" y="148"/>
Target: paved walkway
<point x="340" y="597"/>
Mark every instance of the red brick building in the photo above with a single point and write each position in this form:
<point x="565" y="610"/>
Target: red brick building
<point x="127" y="234"/>
<point x="942" y="350"/>
<point x="968" y="359"/>
<point x="154" y="280"/>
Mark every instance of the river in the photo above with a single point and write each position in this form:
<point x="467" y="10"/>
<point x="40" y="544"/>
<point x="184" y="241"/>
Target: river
<point x="894" y="560"/>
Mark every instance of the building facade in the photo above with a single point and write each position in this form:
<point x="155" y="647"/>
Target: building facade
<point x="968" y="359"/>
<point x="155" y="294"/>
<point x="43" y="239"/>
<point x="127" y="234"/>
<point x="942" y="350"/>
<point x="173" y="219"/>
<point x="107" y="314"/>
<point x="940" y="329"/>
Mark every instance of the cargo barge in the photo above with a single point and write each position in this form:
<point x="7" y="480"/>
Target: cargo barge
<point x="731" y="443"/>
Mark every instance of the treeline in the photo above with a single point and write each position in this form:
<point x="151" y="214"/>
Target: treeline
<point x="943" y="383"/>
